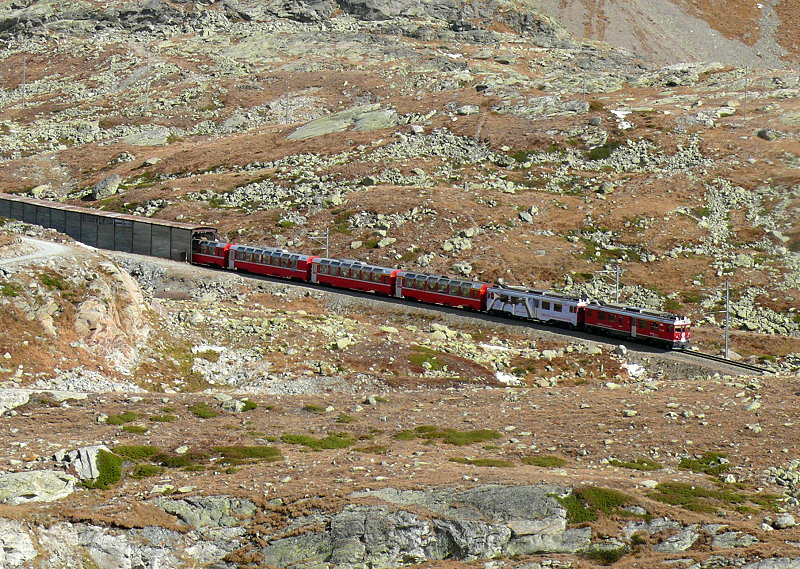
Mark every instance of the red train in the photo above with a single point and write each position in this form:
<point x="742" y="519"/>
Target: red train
<point x="640" y="324"/>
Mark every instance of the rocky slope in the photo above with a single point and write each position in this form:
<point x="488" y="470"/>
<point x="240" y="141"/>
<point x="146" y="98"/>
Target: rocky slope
<point x="165" y="416"/>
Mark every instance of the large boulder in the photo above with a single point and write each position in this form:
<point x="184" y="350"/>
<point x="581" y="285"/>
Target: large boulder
<point x="81" y="462"/>
<point x="11" y="398"/>
<point x="363" y="117"/>
<point x="36" y="486"/>
<point x="16" y="545"/>
<point x="106" y="187"/>
<point x="211" y="511"/>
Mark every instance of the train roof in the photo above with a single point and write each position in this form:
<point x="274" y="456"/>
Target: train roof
<point x="351" y="263"/>
<point x="435" y="276"/>
<point x="537" y="292"/>
<point x="635" y="310"/>
<point x="113" y="215"/>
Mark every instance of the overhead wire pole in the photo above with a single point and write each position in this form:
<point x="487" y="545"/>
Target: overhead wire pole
<point x="727" y="312"/>
<point x="326" y="240"/>
<point x="727" y="318"/>
<point x="617" y="272"/>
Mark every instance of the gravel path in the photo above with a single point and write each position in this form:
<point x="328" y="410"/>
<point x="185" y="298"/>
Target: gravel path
<point x="41" y="250"/>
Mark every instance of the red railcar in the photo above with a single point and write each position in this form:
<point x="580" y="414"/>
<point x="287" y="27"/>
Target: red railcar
<point x="270" y="261"/>
<point x="210" y="253"/>
<point x="641" y="324"/>
<point x="355" y="275"/>
<point x="438" y="289"/>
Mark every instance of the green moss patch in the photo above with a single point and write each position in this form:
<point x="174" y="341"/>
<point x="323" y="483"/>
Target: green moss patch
<point x="146" y="470"/>
<point x="373" y="449"/>
<point x="110" y="467"/>
<point x="163" y="418"/>
<point x="636" y="464"/>
<point x="586" y="502"/>
<point x="53" y="281"/>
<point x="710" y="500"/>
<point x="544" y="461"/>
<point x="203" y="411"/>
<point x="122" y="418"/>
<point x="711" y="463"/>
<point x="332" y="441"/>
<point x="449" y="436"/>
<point x="426" y="358"/>
<point x="604" y="555"/>
<point x="244" y="453"/>
<point x="487" y="462"/>
<point x="316" y="409"/>
<point x="136" y="452"/>
<point x="10" y="289"/>
<point x="135" y="429"/>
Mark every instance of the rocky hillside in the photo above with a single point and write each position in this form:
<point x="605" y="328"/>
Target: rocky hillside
<point x="165" y="416"/>
<point x="521" y="152"/>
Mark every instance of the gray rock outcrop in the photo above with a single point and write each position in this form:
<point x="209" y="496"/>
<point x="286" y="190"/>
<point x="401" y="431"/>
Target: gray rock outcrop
<point x="81" y="462"/>
<point x="363" y="117"/>
<point x="16" y="545"/>
<point x="106" y="187"/>
<point x="36" y="486"/>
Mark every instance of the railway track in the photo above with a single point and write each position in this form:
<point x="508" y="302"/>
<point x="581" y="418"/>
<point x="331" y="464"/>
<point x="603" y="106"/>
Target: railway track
<point x="540" y="327"/>
<point x="725" y="361"/>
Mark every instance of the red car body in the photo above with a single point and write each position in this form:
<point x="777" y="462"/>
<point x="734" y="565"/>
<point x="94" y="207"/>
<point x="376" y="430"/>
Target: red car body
<point x="438" y="289"/>
<point x="354" y="275"/>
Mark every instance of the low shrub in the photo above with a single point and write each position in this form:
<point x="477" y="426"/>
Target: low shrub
<point x="109" y="466"/>
<point x="136" y="452"/>
<point x="545" y="461"/>
<point x="604" y="555"/>
<point x="53" y="281"/>
<point x="245" y="453"/>
<point x="146" y="470"/>
<point x="10" y="289"/>
<point x="711" y="463"/>
<point x="586" y="502"/>
<point x="449" y="436"/>
<point x="332" y="441"/>
<point x="203" y="411"/>
<point x="709" y="500"/>
<point x="163" y="418"/>
<point x="487" y="462"/>
<point x="122" y="418"/>
<point x="636" y="464"/>
<point x="373" y="449"/>
<point x="577" y="510"/>
<point x="135" y="429"/>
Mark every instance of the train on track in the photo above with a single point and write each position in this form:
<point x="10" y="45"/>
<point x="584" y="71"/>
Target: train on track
<point x="638" y="324"/>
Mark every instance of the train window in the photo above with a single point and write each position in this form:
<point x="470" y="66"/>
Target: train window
<point x="612" y="318"/>
<point x="545" y="305"/>
<point x="601" y="316"/>
<point x="558" y="307"/>
<point x="465" y="289"/>
<point x="572" y="310"/>
<point x="654" y="326"/>
<point x="294" y="262"/>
